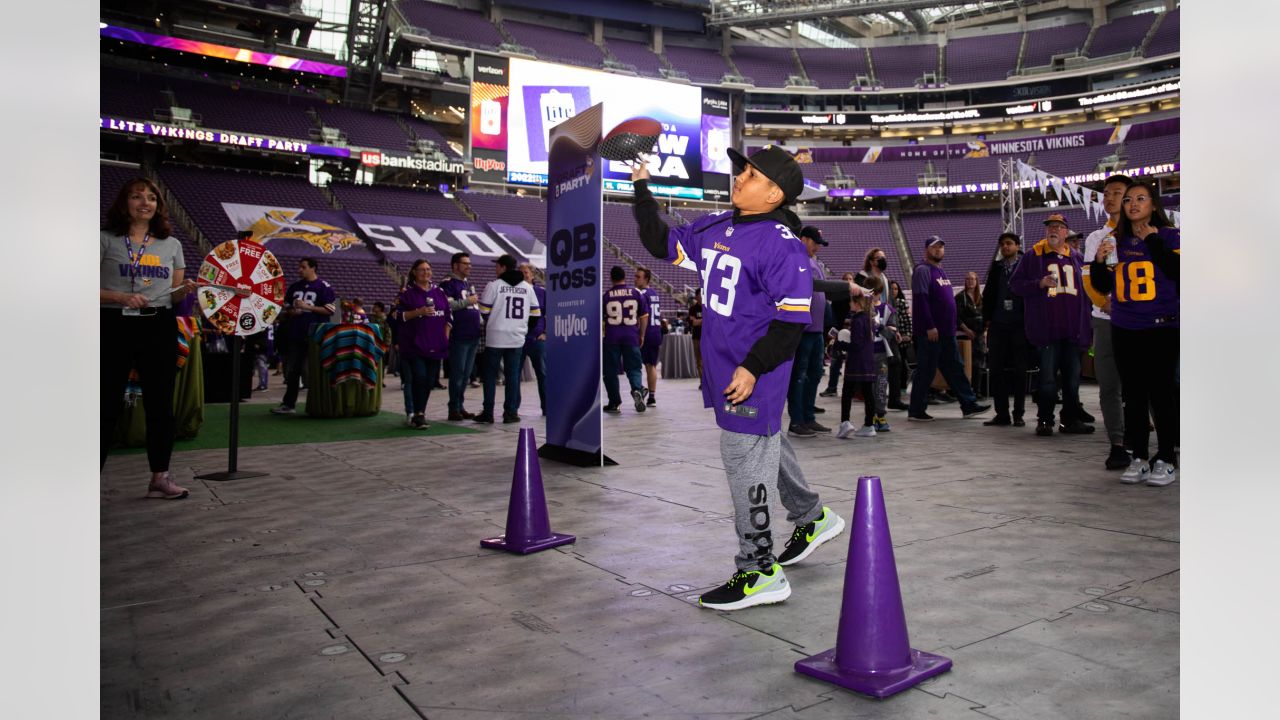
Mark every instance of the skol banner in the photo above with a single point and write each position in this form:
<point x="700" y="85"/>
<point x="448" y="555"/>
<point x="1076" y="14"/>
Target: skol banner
<point x="302" y="231"/>
<point x="574" y="217"/>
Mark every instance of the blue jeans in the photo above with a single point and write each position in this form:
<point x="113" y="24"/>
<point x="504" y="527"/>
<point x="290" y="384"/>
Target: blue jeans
<point x="417" y="377"/>
<point x="930" y="358"/>
<point x="806" y="375"/>
<point x="630" y="361"/>
<point x="1064" y="357"/>
<point x="462" y="360"/>
<point x="510" y="359"/>
<point x="536" y="351"/>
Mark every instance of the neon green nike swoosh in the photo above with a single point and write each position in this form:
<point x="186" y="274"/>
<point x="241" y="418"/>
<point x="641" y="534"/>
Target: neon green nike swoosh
<point x="752" y="590"/>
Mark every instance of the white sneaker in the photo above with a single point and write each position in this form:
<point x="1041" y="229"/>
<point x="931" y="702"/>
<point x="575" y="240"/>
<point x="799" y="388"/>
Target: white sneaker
<point x="845" y="430"/>
<point x="1162" y="473"/>
<point x="1138" y="472"/>
<point x="408" y="419"/>
<point x="866" y="431"/>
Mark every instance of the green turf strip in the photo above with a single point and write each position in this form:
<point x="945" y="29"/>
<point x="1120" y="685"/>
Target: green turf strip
<point x="259" y="427"/>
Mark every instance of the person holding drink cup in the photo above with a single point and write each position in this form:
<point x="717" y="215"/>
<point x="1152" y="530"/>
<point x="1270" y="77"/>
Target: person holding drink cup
<point x="1056" y="320"/>
<point x="1139" y="270"/>
<point x="423" y="310"/>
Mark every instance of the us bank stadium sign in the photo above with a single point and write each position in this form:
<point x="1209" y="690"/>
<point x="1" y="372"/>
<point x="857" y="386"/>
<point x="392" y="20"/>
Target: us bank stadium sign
<point x="377" y="158"/>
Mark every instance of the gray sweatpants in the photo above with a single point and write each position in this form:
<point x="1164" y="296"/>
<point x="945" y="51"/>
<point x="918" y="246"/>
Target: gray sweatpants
<point x="1104" y="367"/>
<point x="754" y="464"/>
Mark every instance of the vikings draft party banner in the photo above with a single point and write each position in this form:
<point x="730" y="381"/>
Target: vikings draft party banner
<point x="574" y="217"/>
<point x="296" y="232"/>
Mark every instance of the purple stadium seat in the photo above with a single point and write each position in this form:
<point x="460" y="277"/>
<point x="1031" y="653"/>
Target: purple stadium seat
<point x="1121" y="35"/>
<point x="1167" y="38"/>
<point x="465" y="27"/>
<point x="983" y="58"/>
<point x="833" y="68"/>
<point x="766" y="66"/>
<point x="700" y="64"/>
<point x="392" y="200"/>
<point x="638" y="55"/>
<point x="1043" y="44"/>
<point x="365" y="128"/>
<point x="902" y="65"/>
<point x="555" y="44"/>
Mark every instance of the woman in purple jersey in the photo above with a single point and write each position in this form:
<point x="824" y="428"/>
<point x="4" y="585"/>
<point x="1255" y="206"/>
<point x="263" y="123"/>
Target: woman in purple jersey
<point x="1140" y="271"/>
<point x="423" y="310"/>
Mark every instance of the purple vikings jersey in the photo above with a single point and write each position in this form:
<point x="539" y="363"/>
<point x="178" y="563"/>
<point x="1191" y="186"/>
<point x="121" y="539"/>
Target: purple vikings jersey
<point x="752" y="274"/>
<point x="1054" y="313"/>
<point x="317" y="292"/>
<point x="1144" y="297"/>
<point x="622" y="308"/>
<point x="654" y="332"/>
<point x="933" y="304"/>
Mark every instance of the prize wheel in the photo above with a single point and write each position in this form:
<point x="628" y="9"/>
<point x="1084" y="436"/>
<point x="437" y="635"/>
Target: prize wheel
<point x="241" y="287"/>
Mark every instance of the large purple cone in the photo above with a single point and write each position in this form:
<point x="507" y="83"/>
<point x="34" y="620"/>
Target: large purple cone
<point x="872" y="654"/>
<point x="528" y="527"/>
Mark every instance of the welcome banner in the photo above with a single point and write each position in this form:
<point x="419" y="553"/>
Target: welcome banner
<point x="575" y="211"/>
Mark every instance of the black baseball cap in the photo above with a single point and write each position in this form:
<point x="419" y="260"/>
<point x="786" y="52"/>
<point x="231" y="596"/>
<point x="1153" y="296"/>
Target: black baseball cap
<point x="506" y="261"/>
<point x="777" y="165"/>
<point x="813" y="234"/>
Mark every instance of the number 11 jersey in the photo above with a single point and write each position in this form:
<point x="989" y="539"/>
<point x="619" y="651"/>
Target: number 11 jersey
<point x="752" y="274"/>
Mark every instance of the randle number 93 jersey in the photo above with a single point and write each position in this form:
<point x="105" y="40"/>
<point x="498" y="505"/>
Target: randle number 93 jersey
<point x="752" y="274"/>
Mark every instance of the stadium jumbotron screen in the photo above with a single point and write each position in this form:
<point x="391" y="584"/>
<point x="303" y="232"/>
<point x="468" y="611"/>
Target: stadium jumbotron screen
<point x="544" y="95"/>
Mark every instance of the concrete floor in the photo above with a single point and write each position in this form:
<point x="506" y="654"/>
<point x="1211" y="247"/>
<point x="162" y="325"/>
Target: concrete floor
<point x="350" y="582"/>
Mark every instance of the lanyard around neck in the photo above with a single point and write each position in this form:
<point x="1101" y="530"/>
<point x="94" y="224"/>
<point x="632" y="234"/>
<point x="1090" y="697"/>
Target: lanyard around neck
<point x="135" y="263"/>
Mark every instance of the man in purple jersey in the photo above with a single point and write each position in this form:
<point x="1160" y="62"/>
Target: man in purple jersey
<point x="758" y="289"/>
<point x="535" y="345"/>
<point x="933" y="315"/>
<point x="464" y="305"/>
<point x="652" y="334"/>
<point x="308" y="302"/>
<point x="1056" y="320"/>
<point x="626" y="315"/>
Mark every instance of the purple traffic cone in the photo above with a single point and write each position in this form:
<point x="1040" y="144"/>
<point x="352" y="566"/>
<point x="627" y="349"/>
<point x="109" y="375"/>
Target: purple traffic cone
<point x="528" y="527"/>
<point x="872" y="655"/>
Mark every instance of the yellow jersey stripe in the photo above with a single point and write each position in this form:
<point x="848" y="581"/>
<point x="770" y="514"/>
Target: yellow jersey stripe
<point x="795" y="308"/>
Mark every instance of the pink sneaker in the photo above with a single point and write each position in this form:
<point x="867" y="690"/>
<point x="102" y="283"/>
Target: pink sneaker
<point x="165" y="489"/>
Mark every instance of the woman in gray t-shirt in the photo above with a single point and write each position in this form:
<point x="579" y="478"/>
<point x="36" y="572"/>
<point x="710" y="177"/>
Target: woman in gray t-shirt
<point x="141" y="275"/>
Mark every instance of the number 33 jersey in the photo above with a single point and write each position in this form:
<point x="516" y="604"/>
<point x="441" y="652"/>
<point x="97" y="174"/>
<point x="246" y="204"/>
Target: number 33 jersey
<point x="508" y="305"/>
<point x="1144" y="297"/>
<point x="752" y="274"/>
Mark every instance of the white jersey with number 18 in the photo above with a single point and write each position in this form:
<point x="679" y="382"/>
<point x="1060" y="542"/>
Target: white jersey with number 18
<point x="507" y="309"/>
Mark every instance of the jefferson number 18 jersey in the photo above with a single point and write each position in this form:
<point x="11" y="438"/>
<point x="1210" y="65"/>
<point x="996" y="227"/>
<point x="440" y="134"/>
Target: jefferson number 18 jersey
<point x="508" y="309"/>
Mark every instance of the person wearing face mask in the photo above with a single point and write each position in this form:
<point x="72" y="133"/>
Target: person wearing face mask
<point x="141" y="274"/>
<point x="1139" y="271"/>
<point x="1056" y="320"/>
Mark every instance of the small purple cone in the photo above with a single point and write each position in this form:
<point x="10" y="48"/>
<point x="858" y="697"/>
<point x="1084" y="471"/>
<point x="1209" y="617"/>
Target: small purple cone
<point x="528" y="527"/>
<point x="872" y="655"/>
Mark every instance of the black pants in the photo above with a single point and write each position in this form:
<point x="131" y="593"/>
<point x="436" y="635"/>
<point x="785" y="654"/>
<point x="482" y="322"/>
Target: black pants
<point x="1148" y="365"/>
<point x="295" y="363"/>
<point x="1007" y="367"/>
<point x="148" y="344"/>
<point x="868" y="400"/>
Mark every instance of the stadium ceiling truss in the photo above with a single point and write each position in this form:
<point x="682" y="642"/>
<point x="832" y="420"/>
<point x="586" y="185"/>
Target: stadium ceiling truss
<point x="914" y="15"/>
